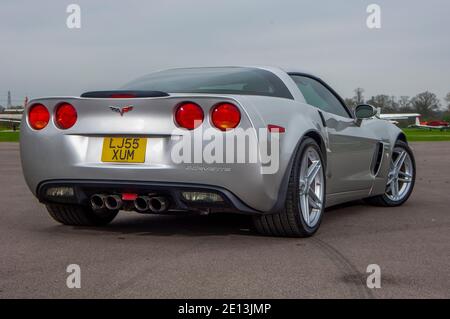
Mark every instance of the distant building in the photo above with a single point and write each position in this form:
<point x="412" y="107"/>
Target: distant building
<point x="2" y="109"/>
<point x="14" y="110"/>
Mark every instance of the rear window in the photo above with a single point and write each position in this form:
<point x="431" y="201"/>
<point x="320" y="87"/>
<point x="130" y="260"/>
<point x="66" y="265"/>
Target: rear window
<point x="227" y="80"/>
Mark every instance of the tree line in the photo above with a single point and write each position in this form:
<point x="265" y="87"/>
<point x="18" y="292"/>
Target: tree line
<point x="425" y="103"/>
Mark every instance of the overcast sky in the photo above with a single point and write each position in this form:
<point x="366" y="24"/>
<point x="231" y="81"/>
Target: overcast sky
<point x="121" y="40"/>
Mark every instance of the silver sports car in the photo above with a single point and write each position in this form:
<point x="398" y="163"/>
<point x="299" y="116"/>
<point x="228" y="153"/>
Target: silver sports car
<point x="279" y="145"/>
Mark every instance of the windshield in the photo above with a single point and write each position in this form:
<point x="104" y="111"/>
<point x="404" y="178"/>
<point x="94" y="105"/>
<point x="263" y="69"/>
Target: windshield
<point x="225" y="80"/>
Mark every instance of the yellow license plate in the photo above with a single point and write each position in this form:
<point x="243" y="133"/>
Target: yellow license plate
<point x="124" y="149"/>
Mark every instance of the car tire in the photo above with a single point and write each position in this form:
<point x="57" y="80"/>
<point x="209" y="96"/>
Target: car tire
<point x="80" y="215"/>
<point x="386" y="200"/>
<point x="290" y="221"/>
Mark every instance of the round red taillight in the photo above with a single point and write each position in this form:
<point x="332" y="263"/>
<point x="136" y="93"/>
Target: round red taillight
<point x="225" y="116"/>
<point x="65" y="116"/>
<point x="38" y="116"/>
<point x="189" y="115"/>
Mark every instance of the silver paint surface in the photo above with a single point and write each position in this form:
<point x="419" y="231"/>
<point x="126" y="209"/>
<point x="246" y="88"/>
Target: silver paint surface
<point x="75" y="153"/>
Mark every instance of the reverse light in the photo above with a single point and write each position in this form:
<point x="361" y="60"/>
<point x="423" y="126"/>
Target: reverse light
<point x="62" y="191"/>
<point x="189" y="115"/>
<point x="201" y="197"/>
<point x="225" y="116"/>
<point x="65" y="116"/>
<point x="38" y="116"/>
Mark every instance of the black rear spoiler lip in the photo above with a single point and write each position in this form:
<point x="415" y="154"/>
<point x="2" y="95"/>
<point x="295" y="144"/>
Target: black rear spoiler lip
<point x="127" y="94"/>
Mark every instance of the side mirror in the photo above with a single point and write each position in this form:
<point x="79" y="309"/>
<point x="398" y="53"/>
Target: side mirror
<point x="364" y="111"/>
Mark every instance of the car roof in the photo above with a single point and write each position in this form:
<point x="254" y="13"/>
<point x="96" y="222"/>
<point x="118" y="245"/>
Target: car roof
<point x="273" y="69"/>
<point x="282" y="73"/>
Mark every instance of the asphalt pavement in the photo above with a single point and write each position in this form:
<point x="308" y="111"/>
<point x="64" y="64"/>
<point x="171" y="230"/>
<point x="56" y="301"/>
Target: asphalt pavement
<point x="218" y="256"/>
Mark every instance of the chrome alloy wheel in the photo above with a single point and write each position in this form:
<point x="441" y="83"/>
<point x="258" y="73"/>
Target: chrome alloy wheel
<point x="400" y="175"/>
<point x="311" y="187"/>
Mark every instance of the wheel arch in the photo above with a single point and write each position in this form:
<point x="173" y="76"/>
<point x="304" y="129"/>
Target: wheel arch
<point x="282" y="192"/>
<point x="319" y="140"/>
<point x="402" y="137"/>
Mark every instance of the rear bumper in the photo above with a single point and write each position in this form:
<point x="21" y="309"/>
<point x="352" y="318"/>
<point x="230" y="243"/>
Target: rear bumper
<point x="83" y="189"/>
<point x="48" y="156"/>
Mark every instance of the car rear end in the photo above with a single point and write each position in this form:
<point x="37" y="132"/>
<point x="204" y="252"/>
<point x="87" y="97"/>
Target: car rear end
<point x="117" y="150"/>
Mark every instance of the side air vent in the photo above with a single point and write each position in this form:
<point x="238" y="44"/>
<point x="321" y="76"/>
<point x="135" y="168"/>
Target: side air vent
<point x="120" y="94"/>
<point x="377" y="158"/>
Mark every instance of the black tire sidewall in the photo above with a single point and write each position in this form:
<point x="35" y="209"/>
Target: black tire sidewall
<point x="79" y="215"/>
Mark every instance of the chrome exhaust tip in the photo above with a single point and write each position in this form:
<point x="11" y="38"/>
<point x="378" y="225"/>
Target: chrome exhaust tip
<point x="158" y="204"/>
<point x="141" y="203"/>
<point x="113" y="202"/>
<point x="98" y="201"/>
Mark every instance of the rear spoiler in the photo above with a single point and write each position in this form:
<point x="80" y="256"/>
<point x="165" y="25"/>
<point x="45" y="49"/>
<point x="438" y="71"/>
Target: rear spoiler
<point x="121" y="94"/>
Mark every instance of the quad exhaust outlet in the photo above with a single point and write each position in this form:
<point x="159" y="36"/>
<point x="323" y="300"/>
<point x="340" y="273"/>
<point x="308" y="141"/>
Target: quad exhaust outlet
<point x="154" y="204"/>
<point x="102" y="201"/>
<point x="113" y="202"/>
<point x="158" y="204"/>
<point x="141" y="203"/>
<point x="98" y="201"/>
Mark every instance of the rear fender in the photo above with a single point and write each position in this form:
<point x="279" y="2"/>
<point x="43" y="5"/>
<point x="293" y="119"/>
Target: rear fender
<point x="299" y="120"/>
